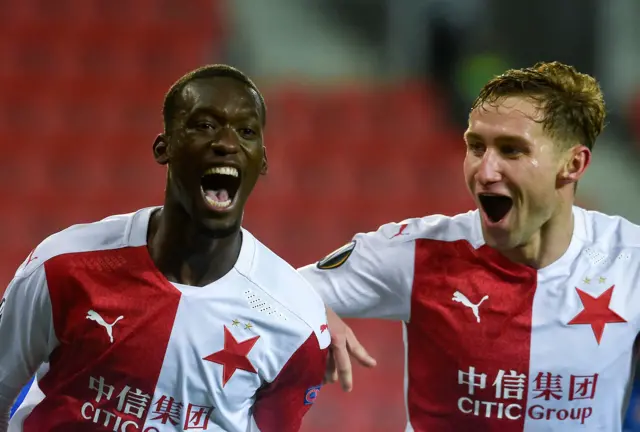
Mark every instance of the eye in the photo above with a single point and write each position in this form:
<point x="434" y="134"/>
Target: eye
<point x="476" y="148"/>
<point x="247" y="133"/>
<point x="205" y="126"/>
<point x="510" y="151"/>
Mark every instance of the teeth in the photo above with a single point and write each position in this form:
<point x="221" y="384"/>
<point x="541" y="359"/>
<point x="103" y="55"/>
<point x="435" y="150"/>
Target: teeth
<point x="218" y="204"/>
<point x="224" y="170"/>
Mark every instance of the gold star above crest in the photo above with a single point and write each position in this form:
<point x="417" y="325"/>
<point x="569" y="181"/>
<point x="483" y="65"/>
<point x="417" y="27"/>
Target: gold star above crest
<point x="247" y="326"/>
<point x="587" y="280"/>
<point x="602" y="280"/>
<point x="235" y="323"/>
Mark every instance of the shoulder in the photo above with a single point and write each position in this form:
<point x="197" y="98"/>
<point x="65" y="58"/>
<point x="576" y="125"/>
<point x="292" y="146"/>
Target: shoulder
<point x="388" y="252"/>
<point x="464" y="226"/>
<point x="282" y="284"/>
<point x="608" y="231"/>
<point x="109" y="233"/>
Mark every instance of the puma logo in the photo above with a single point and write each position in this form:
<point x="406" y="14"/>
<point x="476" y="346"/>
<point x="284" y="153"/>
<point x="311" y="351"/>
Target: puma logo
<point x="400" y="231"/>
<point x="461" y="298"/>
<point x="95" y="316"/>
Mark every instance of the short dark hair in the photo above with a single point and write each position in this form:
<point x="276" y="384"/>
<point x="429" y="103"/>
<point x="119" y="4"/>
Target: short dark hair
<point x="573" y="103"/>
<point x="208" y="71"/>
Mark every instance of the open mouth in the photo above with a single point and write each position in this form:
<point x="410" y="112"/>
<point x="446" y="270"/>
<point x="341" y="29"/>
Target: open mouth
<point x="220" y="186"/>
<point x="496" y="207"/>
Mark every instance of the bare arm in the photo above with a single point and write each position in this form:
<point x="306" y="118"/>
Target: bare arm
<point x="344" y="345"/>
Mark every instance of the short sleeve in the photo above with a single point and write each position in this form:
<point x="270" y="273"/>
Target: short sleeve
<point x="369" y="277"/>
<point x="27" y="336"/>
<point x="282" y="404"/>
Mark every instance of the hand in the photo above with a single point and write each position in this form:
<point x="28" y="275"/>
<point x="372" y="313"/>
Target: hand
<point x="343" y="346"/>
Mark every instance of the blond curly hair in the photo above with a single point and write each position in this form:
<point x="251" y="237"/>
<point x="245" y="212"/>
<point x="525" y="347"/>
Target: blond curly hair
<point x="572" y="102"/>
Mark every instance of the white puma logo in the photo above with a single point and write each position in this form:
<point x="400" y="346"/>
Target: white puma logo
<point x="95" y="316"/>
<point x="460" y="298"/>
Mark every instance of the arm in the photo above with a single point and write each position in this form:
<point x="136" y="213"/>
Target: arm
<point x="370" y="277"/>
<point x="26" y="334"/>
<point x="281" y="405"/>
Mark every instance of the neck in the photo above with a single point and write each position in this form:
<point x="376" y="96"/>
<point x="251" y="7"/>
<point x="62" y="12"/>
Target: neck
<point x="186" y="255"/>
<point x="549" y="243"/>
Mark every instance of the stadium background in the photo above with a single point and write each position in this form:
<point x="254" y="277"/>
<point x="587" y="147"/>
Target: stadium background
<point x="367" y="101"/>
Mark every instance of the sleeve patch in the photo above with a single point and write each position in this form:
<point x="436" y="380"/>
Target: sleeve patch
<point x="311" y="395"/>
<point x="338" y="257"/>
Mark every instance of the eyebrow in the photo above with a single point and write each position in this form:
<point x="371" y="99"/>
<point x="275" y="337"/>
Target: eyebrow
<point x="243" y="114"/>
<point x="504" y="139"/>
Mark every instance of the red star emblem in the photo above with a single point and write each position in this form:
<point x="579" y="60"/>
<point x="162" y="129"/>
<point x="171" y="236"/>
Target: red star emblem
<point x="233" y="356"/>
<point x="596" y="312"/>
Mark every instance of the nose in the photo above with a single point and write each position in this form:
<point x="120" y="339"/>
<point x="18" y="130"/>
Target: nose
<point x="489" y="169"/>
<point x="225" y="142"/>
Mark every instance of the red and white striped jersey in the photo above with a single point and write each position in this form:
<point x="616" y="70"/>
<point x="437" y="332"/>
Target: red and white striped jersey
<point x="492" y="345"/>
<point x="117" y="347"/>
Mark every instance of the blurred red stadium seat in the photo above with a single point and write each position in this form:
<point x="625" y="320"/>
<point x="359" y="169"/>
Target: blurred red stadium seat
<point x="84" y="82"/>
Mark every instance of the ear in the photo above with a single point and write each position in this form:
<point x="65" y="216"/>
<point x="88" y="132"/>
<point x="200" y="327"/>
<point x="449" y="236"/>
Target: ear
<point x="161" y="149"/>
<point x="575" y="164"/>
<point x="265" y="163"/>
